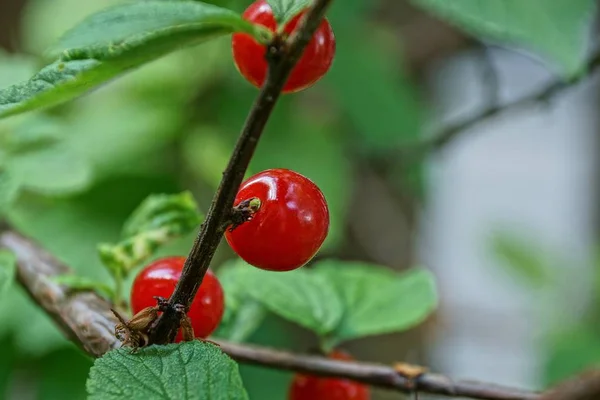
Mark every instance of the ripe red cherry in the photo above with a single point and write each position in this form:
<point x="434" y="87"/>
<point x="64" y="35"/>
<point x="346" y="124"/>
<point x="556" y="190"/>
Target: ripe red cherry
<point x="308" y="387"/>
<point x="160" y="278"/>
<point x="249" y="55"/>
<point x="290" y="225"/>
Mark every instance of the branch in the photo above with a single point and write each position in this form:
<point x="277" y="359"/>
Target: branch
<point x="438" y="141"/>
<point x="583" y="387"/>
<point x="86" y="319"/>
<point x="282" y="57"/>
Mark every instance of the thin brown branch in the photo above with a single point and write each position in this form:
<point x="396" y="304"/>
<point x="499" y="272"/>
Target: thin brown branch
<point x="372" y="374"/>
<point x="87" y="320"/>
<point x="493" y="109"/>
<point x="282" y="57"/>
<point x="583" y="387"/>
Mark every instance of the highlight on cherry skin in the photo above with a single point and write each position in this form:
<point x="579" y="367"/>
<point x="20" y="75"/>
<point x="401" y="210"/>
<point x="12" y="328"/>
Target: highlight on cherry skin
<point x="160" y="278"/>
<point x="290" y="226"/>
<point x="309" y="387"/>
<point x="250" y="56"/>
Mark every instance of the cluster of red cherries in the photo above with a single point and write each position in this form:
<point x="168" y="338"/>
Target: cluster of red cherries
<point x="288" y="228"/>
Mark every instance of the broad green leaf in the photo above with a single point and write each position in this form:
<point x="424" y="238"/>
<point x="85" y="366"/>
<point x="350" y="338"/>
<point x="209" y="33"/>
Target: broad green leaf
<point x="523" y="259"/>
<point x="376" y="300"/>
<point x="116" y="40"/>
<point x="8" y="265"/>
<point x="187" y="371"/>
<point x="53" y="170"/>
<point x="558" y="29"/>
<point x="9" y="190"/>
<point x="284" y="10"/>
<point x="82" y="283"/>
<point x="243" y="315"/>
<point x="299" y="296"/>
<point x="158" y="220"/>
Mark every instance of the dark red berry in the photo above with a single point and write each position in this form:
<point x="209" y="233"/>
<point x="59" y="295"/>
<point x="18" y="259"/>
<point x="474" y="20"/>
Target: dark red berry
<point x="308" y="387"/>
<point x="289" y="227"/>
<point x="249" y="55"/>
<point x="160" y="278"/>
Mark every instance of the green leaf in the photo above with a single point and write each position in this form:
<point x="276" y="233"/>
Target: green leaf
<point x="284" y="10"/>
<point x="570" y="352"/>
<point x="377" y="300"/>
<point x="53" y="170"/>
<point x="558" y="29"/>
<point x="243" y="315"/>
<point x="8" y="266"/>
<point x="82" y="283"/>
<point x="9" y="190"/>
<point x="188" y="371"/>
<point x="299" y="296"/>
<point x="158" y="220"/>
<point x="177" y="212"/>
<point x="116" y="40"/>
<point x="35" y="132"/>
<point x="523" y="259"/>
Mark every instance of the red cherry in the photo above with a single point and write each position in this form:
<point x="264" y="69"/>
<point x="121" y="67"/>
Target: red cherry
<point x="160" y="278"/>
<point x="308" y="387"/>
<point x="249" y="55"/>
<point x="289" y="227"/>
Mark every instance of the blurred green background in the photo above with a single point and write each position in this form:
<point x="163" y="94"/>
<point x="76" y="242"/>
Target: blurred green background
<point x="171" y="125"/>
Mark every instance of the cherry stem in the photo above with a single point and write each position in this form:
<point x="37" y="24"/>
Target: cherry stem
<point x="282" y="56"/>
<point x="243" y="212"/>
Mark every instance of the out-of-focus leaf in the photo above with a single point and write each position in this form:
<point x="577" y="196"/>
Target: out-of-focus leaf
<point x="522" y="259"/>
<point x="116" y="40"/>
<point x="33" y="332"/>
<point x="8" y="264"/>
<point x="393" y="114"/>
<point x="191" y="371"/>
<point x="54" y="382"/>
<point x="53" y="170"/>
<point x="157" y="220"/>
<point x="207" y="154"/>
<point x="558" y="29"/>
<point x="9" y="190"/>
<point x="34" y="132"/>
<point x="82" y="283"/>
<point x="570" y="352"/>
<point x="121" y="135"/>
<point x="376" y="300"/>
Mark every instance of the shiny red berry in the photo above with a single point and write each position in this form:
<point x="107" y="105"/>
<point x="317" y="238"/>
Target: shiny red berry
<point x="160" y="278"/>
<point x="249" y="55"/>
<point x="289" y="227"/>
<point x="308" y="387"/>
